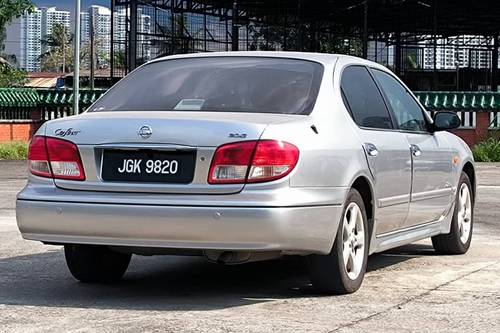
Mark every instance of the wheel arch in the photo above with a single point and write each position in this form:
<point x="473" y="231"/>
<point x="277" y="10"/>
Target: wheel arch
<point x="363" y="185"/>
<point x="470" y="171"/>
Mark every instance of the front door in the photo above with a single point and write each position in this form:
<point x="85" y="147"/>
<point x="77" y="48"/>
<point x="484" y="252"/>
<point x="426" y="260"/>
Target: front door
<point x="431" y="190"/>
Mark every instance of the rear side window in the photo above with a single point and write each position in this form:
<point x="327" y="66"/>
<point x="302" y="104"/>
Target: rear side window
<point x="363" y="98"/>
<point x="220" y="84"/>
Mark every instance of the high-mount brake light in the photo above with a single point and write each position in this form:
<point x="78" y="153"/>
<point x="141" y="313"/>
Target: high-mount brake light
<point x="252" y="162"/>
<point x="55" y="158"/>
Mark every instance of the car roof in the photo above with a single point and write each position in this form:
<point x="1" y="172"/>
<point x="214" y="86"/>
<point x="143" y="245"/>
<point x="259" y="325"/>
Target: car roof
<point x="323" y="58"/>
<point x="326" y="59"/>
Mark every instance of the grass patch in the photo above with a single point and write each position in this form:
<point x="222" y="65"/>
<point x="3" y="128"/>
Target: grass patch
<point x="487" y="151"/>
<point x="15" y="150"/>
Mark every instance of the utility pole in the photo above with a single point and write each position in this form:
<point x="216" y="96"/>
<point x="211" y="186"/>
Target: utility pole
<point x="76" y="60"/>
<point x="92" y="51"/>
<point x="65" y="40"/>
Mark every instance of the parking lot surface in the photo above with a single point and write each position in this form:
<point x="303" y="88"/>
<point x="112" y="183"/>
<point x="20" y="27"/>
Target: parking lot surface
<point x="406" y="289"/>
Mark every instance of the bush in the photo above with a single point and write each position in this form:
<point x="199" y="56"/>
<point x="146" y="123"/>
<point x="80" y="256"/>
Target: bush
<point x="14" y="150"/>
<point x="487" y="151"/>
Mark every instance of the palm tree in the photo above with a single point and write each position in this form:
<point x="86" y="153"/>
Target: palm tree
<point x="57" y="43"/>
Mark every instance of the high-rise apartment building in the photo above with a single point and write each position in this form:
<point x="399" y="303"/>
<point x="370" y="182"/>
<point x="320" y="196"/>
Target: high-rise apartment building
<point x="31" y="46"/>
<point x="458" y="51"/>
<point x="35" y="27"/>
<point x="143" y="29"/>
<point x="52" y="16"/>
<point x="98" y="19"/>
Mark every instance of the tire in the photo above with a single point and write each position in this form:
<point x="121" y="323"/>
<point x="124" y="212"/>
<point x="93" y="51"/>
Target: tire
<point x="95" y="264"/>
<point x="455" y="242"/>
<point x="328" y="273"/>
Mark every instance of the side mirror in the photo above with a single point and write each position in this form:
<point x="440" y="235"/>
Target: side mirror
<point x="445" y="120"/>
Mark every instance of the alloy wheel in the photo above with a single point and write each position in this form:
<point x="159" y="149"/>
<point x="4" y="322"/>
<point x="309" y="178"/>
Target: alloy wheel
<point x="353" y="239"/>
<point x="464" y="215"/>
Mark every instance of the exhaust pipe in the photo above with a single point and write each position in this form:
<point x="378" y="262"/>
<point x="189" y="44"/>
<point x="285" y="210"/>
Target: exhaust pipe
<point x="238" y="257"/>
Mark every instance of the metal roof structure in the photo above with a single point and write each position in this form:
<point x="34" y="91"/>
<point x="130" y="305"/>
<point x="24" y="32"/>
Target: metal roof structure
<point x="453" y="17"/>
<point x="186" y="26"/>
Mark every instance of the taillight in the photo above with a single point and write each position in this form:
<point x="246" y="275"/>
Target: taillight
<point x="38" y="160"/>
<point x="55" y="158"/>
<point x="230" y="163"/>
<point x="252" y="162"/>
<point x="272" y="160"/>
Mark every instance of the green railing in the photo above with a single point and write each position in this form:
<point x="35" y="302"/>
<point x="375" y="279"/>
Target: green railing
<point x="45" y="104"/>
<point x="459" y="101"/>
<point x="42" y="104"/>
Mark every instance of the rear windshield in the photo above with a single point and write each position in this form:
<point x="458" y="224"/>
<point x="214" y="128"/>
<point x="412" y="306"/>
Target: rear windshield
<point x="225" y="84"/>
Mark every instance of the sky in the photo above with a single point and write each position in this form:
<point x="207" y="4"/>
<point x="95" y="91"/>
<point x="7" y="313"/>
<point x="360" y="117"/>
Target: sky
<point x="70" y="4"/>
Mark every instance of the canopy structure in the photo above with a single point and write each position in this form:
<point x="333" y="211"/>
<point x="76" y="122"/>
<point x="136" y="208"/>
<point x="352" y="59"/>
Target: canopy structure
<point x="392" y="32"/>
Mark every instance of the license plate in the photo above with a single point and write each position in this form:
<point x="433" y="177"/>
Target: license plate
<point x="148" y="166"/>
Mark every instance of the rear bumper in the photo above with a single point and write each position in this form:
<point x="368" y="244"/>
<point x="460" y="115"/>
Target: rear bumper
<point x="293" y="229"/>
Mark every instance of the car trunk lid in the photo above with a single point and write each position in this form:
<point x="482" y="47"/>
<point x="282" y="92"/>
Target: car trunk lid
<point x="100" y="134"/>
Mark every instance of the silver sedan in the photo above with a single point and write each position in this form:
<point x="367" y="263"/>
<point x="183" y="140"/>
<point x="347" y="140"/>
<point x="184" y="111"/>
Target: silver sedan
<point x="248" y="156"/>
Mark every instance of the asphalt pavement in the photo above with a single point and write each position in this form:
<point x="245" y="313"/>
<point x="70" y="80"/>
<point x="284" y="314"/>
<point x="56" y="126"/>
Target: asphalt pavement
<point x="405" y="289"/>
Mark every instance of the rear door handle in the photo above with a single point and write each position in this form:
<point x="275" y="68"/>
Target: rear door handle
<point x="415" y="150"/>
<point x="371" y="149"/>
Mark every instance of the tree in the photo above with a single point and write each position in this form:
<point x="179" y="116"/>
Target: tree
<point x="179" y="39"/>
<point x="59" y="51"/>
<point x="301" y="37"/>
<point x="101" y="56"/>
<point x="53" y="61"/>
<point x="10" y="76"/>
<point x="9" y="10"/>
<point x="119" y="59"/>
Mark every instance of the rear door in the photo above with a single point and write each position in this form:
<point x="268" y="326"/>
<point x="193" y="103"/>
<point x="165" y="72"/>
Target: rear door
<point x="431" y="191"/>
<point x="386" y="149"/>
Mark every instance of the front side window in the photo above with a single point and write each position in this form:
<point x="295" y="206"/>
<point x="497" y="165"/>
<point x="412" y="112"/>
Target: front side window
<point x="407" y="112"/>
<point x="363" y="99"/>
<point x="219" y="84"/>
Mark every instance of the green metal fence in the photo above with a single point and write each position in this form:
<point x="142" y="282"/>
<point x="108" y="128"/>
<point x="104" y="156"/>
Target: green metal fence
<point x="46" y="104"/>
<point x="465" y="104"/>
<point x="42" y="104"/>
<point x="459" y="101"/>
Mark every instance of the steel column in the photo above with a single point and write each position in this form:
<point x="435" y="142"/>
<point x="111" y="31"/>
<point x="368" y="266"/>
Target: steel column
<point x="235" y="31"/>
<point x="112" y="41"/>
<point x="132" y="47"/>
<point x="365" y="29"/>
<point x="397" y="54"/>
<point x="434" y="32"/>
<point x="494" y="64"/>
